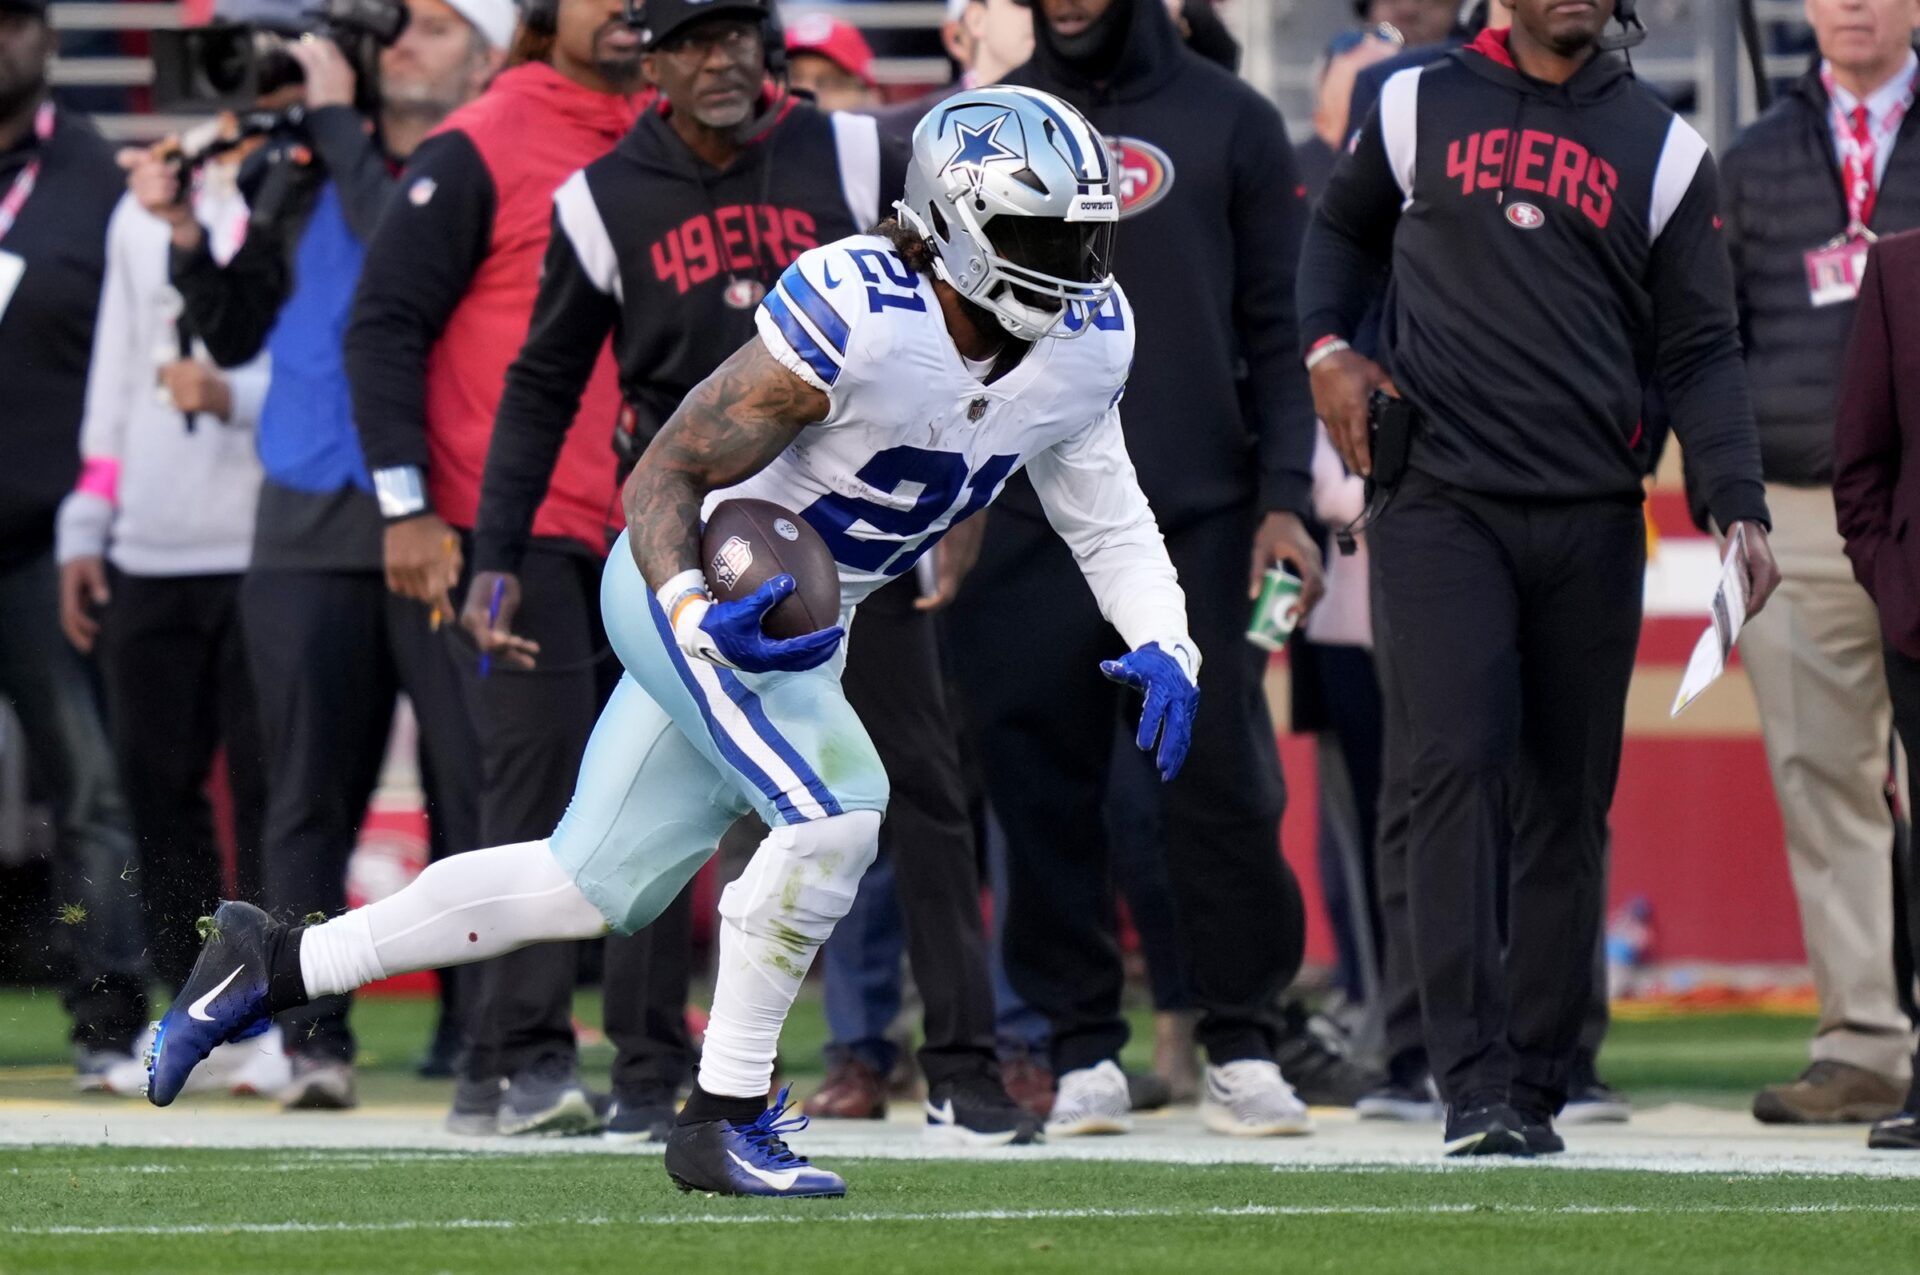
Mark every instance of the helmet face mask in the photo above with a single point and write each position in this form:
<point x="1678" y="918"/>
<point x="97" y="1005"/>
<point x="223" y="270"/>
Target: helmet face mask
<point x="1012" y="188"/>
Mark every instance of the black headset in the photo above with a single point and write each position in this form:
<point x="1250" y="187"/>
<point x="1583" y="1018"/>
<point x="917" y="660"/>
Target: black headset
<point x="1632" y="32"/>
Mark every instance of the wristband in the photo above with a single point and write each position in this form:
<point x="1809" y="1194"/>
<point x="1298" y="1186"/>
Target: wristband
<point x="1323" y="349"/>
<point x="683" y="600"/>
<point x="402" y="491"/>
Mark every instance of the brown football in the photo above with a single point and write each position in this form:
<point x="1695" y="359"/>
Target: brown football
<point x="748" y="542"/>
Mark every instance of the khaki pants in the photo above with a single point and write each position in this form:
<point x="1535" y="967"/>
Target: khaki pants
<point x="1814" y="659"/>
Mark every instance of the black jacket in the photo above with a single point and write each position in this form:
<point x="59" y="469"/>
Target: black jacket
<point x="46" y="328"/>
<point x="671" y="256"/>
<point x="1218" y="411"/>
<point x="1780" y="191"/>
<point x="1537" y="288"/>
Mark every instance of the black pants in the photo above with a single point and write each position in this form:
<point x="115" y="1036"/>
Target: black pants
<point x="894" y="683"/>
<point x="1511" y="627"/>
<point x="175" y="668"/>
<point x="329" y="652"/>
<point x="533" y="727"/>
<point x="52" y="691"/>
<point x="1027" y="645"/>
<point x="1903" y="688"/>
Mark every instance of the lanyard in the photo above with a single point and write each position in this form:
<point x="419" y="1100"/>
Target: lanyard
<point x="25" y="180"/>
<point x="1858" y="155"/>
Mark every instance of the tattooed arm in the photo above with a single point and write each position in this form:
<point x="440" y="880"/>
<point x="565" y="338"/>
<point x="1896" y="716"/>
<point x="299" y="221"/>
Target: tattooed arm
<point x="729" y="428"/>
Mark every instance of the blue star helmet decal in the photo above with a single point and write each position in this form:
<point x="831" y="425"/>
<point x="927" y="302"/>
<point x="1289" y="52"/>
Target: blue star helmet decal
<point x="980" y="147"/>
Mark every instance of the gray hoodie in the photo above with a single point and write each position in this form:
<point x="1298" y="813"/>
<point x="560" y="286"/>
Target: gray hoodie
<point x="154" y="497"/>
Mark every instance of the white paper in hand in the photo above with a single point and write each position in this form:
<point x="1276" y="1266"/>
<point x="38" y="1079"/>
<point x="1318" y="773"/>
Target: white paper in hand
<point x="1728" y="613"/>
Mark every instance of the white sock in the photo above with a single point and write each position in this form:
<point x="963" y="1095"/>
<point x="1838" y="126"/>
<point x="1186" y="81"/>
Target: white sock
<point x="465" y="908"/>
<point x="800" y="882"/>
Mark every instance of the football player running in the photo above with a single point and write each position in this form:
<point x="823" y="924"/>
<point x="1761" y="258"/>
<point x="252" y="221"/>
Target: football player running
<point x="898" y="379"/>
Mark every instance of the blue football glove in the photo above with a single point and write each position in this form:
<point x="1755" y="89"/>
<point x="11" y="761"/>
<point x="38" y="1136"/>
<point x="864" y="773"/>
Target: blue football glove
<point x="732" y="631"/>
<point x="1172" y="699"/>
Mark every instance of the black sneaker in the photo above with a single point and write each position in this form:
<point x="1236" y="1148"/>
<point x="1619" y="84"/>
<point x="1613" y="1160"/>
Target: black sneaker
<point x="1407" y="1094"/>
<point x="640" y="1115"/>
<point x="476" y="1107"/>
<point x="546" y="1098"/>
<point x="1536" y="1127"/>
<point x="1147" y="1091"/>
<point x="1590" y="1100"/>
<point x="1896" y="1133"/>
<point x="974" y="1110"/>
<point x="1313" y="1057"/>
<point x="1486" y="1129"/>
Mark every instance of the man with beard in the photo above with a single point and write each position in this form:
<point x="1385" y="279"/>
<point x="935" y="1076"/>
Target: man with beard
<point x="1220" y="425"/>
<point x="444" y="304"/>
<point x="58" y="187"/>
<point x="328" y="648"/>
<point x="670" y="243"/>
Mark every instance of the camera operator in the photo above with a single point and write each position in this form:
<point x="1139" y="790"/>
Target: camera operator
<point x="327" y="646"/>
<point x="442" y="309"/>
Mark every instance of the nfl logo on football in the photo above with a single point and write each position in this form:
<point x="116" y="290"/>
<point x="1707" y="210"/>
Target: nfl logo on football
<point x="732" y="561"/>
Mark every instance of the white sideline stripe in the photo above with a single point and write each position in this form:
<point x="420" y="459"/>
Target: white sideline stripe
<point x="968" y="1215"/>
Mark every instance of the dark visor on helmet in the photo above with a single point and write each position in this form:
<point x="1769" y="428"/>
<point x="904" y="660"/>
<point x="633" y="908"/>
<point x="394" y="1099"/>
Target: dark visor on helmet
<point x="1076" y="252"/>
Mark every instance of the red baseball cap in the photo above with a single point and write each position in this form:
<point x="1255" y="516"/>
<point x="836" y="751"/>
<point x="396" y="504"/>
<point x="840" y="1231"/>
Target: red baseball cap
<point x="838" y="42"/>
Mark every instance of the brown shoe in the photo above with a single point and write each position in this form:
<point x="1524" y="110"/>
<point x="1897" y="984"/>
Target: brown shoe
<point x="1831" y="1092"/>
<point x="1175" y="1059"/>
<point x="852" y="1091"/>
<point x="1030" y="1084"/>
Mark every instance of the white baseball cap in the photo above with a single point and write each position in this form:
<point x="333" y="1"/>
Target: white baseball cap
<point x="493" y="19"/>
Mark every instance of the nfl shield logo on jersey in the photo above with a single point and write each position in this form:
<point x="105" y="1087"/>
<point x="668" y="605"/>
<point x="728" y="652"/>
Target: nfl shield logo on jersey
<point x="976" y="409"/>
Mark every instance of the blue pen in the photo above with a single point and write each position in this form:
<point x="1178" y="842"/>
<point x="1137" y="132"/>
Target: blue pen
<point x="493" y="619"/>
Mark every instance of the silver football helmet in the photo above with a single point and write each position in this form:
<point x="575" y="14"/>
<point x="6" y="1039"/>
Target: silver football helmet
<point x="1014" y="190"/>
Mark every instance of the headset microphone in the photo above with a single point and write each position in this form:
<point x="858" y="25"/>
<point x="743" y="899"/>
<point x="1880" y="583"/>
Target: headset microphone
<point x="1631" y="31"/>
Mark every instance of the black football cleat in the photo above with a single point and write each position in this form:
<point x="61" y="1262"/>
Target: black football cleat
<point x="225" y="998"/>
<point x="725" y="1157"/>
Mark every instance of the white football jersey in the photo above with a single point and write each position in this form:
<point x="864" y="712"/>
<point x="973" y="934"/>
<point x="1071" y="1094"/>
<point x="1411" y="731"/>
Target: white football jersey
<point x="915" y="441"/>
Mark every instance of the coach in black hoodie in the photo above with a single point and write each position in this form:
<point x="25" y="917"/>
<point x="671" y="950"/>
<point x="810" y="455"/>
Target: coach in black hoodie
<point x="1554" y="238"/>
<point x="1219" y="423"/>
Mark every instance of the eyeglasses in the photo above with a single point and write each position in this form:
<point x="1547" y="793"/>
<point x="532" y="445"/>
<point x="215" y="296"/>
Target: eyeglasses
<point x="1347" y="41"/>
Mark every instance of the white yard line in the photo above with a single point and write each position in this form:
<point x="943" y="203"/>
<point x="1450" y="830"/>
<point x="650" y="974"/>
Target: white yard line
<point x="1670" y="1139"/>
<point x="964" y="1215"/>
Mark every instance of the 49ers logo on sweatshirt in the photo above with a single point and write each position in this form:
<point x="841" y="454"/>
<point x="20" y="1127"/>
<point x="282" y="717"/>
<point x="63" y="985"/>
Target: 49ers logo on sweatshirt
<point x="1537" y="163"/>
<point x="1144" y="173"/>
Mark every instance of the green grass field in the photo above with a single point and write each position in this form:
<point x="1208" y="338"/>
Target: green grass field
<point x="202" y="1212"/>
<point x="210" y="1212"/>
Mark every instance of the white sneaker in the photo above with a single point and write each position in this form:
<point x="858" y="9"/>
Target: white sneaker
<point x="1250" y="1099"/>
<point x="251" y="1068"/>
<point x="319" y="1085"/>
<point x="1091" y="1100"/>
